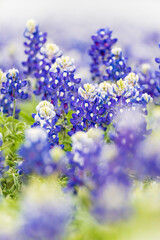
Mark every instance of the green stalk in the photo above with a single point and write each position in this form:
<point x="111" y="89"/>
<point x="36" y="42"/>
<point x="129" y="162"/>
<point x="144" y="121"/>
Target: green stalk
<point x="13" y="117"/>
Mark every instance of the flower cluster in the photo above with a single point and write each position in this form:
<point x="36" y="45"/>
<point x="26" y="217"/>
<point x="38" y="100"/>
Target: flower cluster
<point x="45" y="213"/>
<point x="34" y="41"/>
<point x="149" y="81"/>
<point x="12" y="86"/>
<point x="100" y="52"/>
<point x="6" y="106"/>
<point x="90" y="143"/>
<point x="60" y="80"/>
<point x="116" y="67"/>
<point x="56" y="79"/>
<point x="46" y="119"/>
<point x="35" y="153"/>
<point x="46" y="57"/>
<point x="130" y="130"/>
<point x="148" y="158"/>
<point x="90" y="166"/>
<point x="99" y="105"/>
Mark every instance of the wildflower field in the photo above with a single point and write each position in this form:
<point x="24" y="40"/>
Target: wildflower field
<point x="79" y="158"/>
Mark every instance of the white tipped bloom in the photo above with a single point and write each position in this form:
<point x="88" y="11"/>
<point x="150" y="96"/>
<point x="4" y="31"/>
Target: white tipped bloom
<point x="44" y="104"/>
<point x="50" y="50"/>
<point x="64" y="63"/>
<point x="57" y="153"/>
<point x="120" y="87"/>
<point x="88" y="92"/>
<point x="105" y="87"/>
<point x="13" y="72"/>
<point x="45" y="111"/>
<point x="31" y="25"/>
<point x="131" y="79"/>
<point x="147" y="98"/>
<point x="145" y="67"/>
<point x="34" y="134"/>
<point x="95" y="134"/>
<point x="2" y="77"/>
<point x="116" y="51"/>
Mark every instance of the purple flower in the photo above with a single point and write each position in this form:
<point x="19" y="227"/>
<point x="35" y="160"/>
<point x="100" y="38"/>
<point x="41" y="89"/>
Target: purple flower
<point x="149" y="81"/>
<point x="34" y="41"/>
<point x="35" y="153"/>
<point x="45" y="214"/>
<point x="46" y="118"/>
<point x="116" y="66"/>
<point x="12" y="86"/>
<point x="100" y="52"/>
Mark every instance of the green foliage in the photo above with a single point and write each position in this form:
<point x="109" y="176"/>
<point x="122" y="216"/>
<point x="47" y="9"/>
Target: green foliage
<point x="64" y="138"/>
<point x="27" y="108"/>
<point x="12" y="139"/>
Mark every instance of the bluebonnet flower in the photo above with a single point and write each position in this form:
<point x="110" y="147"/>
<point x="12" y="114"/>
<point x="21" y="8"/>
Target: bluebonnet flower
<point x="130" y="129"/>
<point x="86" y="108"/>
<point x="2" y="77"/>
<point x="148" y="158"/>
<point x="64" y="85"/>
<point x="91" y="164"/>
<point x="12" y="86"/>
<point x="60" y="85"/>
<point x="126" y="123"/>
<point x="34" y="41"/>
<point x="35" y="153"/>
<point x="8" y="223"/>
<point x="65" y="64"/>
<point x="6" y="106"/>
<point x="116" y="66"/>
<point x="112" y="202"/>
<point x="51" y="51"/>
<point x="45" y="213"/>
<point x="46" y="119"/>
<point x="100" y="52"/>
<point x="46" y="57"/>
<point x="83" y="159"/>
<point x="148" y="81"/>
<point x="98" y="105"/>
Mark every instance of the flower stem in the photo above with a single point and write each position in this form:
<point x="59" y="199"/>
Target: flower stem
<point x="13" y="116"/>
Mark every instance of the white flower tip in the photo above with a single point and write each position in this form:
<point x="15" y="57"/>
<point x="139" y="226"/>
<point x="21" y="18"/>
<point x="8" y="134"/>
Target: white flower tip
<point x="116" y="51"/>
<point x="31" y="25"/>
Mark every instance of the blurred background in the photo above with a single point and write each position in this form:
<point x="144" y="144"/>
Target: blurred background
<point x="70" y="23"/>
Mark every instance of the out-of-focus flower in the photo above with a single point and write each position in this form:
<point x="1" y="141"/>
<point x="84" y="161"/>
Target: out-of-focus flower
<point x="35" y="153"/>
<point x="149" y="81"/>
<point x="2" y="77"/>
<point x="45" y="212"/>
<point x="148" y="158"/>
